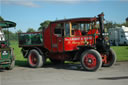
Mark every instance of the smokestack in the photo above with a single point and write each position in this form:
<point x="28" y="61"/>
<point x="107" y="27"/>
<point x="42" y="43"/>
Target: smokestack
<point x="101" y="21"/>
<point x="127" y="20"/>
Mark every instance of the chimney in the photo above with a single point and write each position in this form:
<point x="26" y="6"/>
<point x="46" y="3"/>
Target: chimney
<point x="127" y="19"/>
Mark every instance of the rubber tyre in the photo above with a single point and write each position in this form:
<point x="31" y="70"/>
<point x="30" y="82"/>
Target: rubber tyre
<point x="97" y="57"/>
<point x="12" y="65"/>
<point x="35" y="60"/>
<point x="111" y="58"/>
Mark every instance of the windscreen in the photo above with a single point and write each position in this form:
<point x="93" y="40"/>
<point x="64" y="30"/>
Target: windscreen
<point x="81" y="28"/>
<point x="2" y="36"/>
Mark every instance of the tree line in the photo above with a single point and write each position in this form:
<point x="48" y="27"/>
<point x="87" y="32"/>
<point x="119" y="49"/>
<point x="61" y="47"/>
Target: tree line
<point x="43" y="25"/>
<point x="14" y="35"/>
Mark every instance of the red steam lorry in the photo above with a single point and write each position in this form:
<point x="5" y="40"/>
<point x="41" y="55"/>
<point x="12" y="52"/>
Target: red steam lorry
<point x="81" y="40"/>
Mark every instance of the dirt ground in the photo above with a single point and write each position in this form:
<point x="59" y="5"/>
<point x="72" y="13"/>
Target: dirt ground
<point x="67" y="74"/>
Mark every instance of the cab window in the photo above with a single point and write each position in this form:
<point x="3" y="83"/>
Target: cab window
<point x="59" y="29"/>
<point x="67" y="29"/>
<point x="79" y="29"/>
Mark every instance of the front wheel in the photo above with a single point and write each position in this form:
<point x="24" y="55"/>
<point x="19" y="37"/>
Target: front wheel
<point x="12" y="65"/>
<point x="35" y="60"/>
<point x="91" y="60"/>
<point x="111" y="58"/>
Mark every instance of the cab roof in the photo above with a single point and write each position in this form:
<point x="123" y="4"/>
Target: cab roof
<point x="7" y="24"/>
<point x="84" y="19"/>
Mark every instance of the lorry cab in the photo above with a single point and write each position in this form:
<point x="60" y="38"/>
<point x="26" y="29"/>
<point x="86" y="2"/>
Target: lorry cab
<point x="68" y="35"/>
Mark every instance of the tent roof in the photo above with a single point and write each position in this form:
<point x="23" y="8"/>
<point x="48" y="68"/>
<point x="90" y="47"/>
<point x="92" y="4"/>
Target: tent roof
<point x="7" y="24"/>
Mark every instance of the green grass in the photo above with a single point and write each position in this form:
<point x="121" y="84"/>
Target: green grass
<point x="20" y="60"/>
<point x="121" y="52"/>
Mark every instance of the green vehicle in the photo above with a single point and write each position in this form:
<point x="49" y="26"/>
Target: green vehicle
<point x="7" y="58"/>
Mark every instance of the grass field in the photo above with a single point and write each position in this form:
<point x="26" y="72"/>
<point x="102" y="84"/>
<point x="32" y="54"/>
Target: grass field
<point x="20" y="60"/>
<point x="121" y="52"/>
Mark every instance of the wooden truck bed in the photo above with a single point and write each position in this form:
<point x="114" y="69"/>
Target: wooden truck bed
<point x="30" y="39"/>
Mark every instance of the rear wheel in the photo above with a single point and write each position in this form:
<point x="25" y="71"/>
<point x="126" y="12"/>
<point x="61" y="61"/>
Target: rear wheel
<point x="91" y="60"/>
<point x="35" y="60"/>
<point x="111" y="58"/>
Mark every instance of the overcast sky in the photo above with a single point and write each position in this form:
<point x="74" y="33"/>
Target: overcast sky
<point x="30" y="13"/>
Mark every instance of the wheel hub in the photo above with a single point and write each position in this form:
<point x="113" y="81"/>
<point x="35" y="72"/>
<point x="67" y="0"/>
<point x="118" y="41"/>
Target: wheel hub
<point x="33" y="59"/>
<point x="90" y="60"/>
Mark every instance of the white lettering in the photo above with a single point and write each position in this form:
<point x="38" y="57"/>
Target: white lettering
<point x="75" y="38"/>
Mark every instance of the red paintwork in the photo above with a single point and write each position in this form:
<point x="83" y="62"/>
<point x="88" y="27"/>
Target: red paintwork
<point x="71" y="43"/>
<point x="54" y="39"/>
<point x="51" y="41"/>
<point x="90" y="61"/>
<point x="77" y="33"/>
<point x="60" y="44"/>
<point x="47" y="39"/>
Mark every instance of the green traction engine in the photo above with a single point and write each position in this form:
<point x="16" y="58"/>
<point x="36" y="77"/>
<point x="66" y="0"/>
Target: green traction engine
<point x="7" y="58"/>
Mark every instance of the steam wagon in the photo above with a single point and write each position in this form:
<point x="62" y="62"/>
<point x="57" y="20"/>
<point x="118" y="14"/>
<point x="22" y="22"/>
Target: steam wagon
<point x="81" y="40"/>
